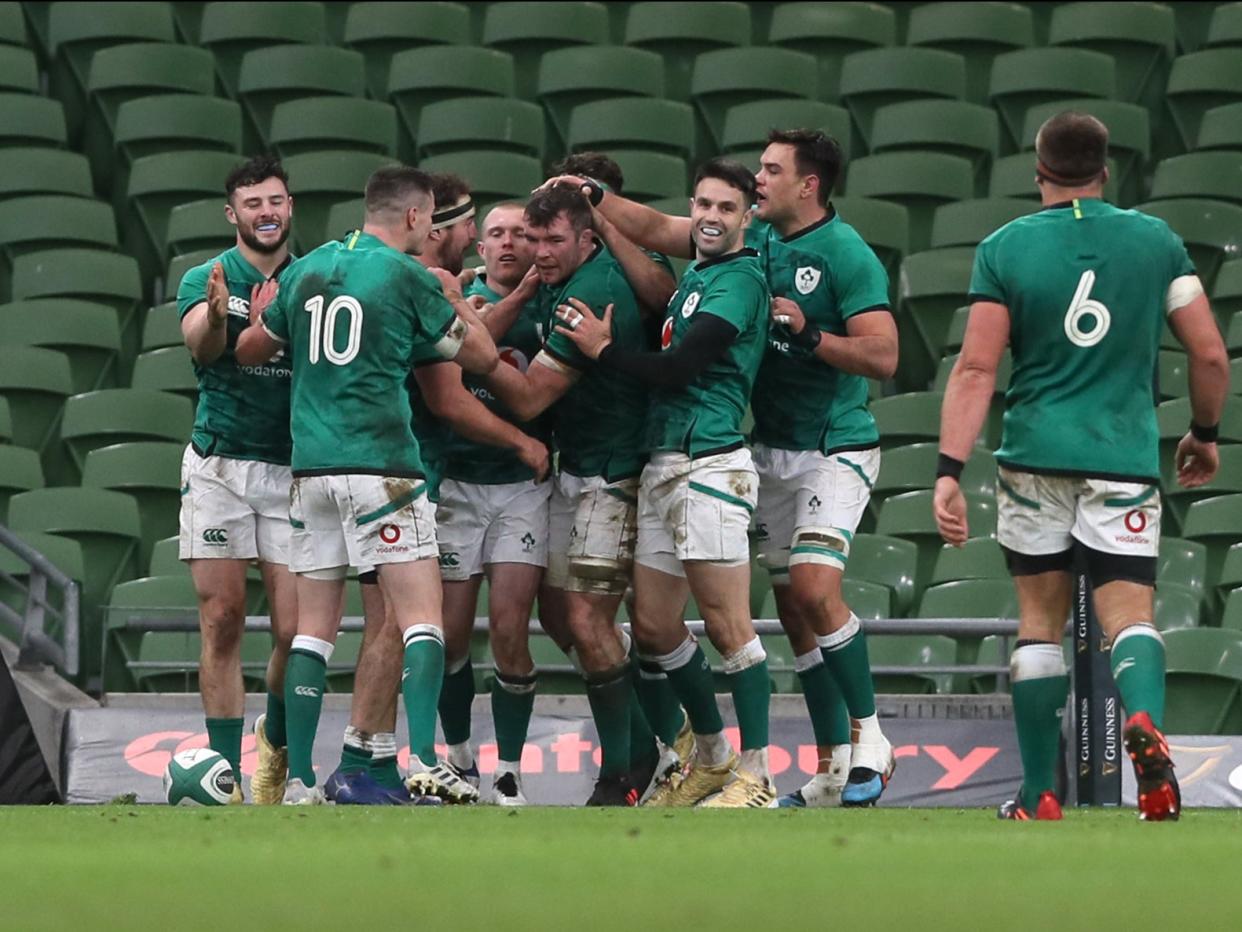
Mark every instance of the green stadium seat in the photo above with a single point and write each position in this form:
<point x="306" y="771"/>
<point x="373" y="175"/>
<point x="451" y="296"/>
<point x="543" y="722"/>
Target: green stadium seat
<point x="37" y="17"/>
<point x="867" y="600"/>
<point x="957" y="330"/>
<point x="1193" y="22"/>
<point x="29" y="171"/>
<point x="148" y="601"/>
<point x="877" y="77"/>
<point x="976" y="31"/>
<point x="1014" y="176"/>
<point x="381" y="30"/>
<point x="29" y="120"/>
<point x="1230" y="577"/>
<point x="162" y="327"/>
<point x="829" y="32"/>
<point x="1172" y="375"/>
<point x="1228" y="480"/>
<point x="582" y="74"/>
<point x="633" y="123"/>
<point x="480" y="123"/>
<point x="18" y="70"/>
<point x="231" y="29"/>
<point x="1212" y="231"/>
<point x="1216" y="175"/>
<point x="910" y="417"/>
<point x="1214" y="522"/>
<point x="1227" y="290"/>
<point x="322" y="179"/>
<point x="1139" y="37"/>
<point x="35" y="381"/>
<point x="884" y="225"/>
<point x="913" y="466"/>
<point x="271" y="76"/>
<point x="1175" y="607"/>
<point x="20" y="471"/>
<point x="918" y="181"/>
<point x="968" y="223"/>
<point x="886" y="561"/>
<point x="123" y="415"/>
<point x="419" y="77"/>
<point x="157" y="184"/>
<point x="746" y="126"/>
<point x="932" y="286"/>
<point x="1029" y="77"/>
<point x="725" y="77"/>
<point x="76" y="31"/>
<point x="167" y="370"/>
<point x="178" y="265"/>
<point x="953" y="127"/>
<point x="199" y="225"/>
<point x="493" y="176"/>
<point x="150" y="471"/>
<point x="348" y="215"/>
<point x="911" y="651"/>
<point x="130" y="72"/>
<point x="1233" y="336"/>
<point x="6" y="421"/>
<point x="1182" y="562"/>
<point x="188" y="18"/>
<point x="681" y="31"/>
<point x="909" y="516"/>
<point x="12" y="25"/>
<point x="1221" y="128"/>
<point x="994" y="650"/>
<point x="32" y="224"/>
<point x="88" y="334"/>
<point x="979" y="597"/>
<point x="1173" y="416"/>
<point x="1199" y="82"/>
<point x="527" y="30"/>
<point x="314" y="123"/>
<point x="1129" y="137"/>
<point x="1225" y="28"/>
<point x="981" y="558"/>
<point x="1204" y="673"/>
<point x="65" y="554"/>
<point x="165" y="123"/>
<point x="1231" y="617"/>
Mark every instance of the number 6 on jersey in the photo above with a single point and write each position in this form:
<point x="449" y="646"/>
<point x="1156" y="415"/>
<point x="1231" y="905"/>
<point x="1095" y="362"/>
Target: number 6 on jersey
<point x="1097" y="317"/>
<point x="323" y="332"/>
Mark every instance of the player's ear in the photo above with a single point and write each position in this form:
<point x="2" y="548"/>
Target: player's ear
<point x="289" y="201"/>
<point x="230" y="214"/>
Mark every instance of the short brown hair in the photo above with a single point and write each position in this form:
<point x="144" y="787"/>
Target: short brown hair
<point x="448" y="188"/>
<point x="1072" y="148"/>
<point x="391" y="188"/>
<point x="815" y="153"/>
<point x="546" y="205"/>
<point x="732" y="173"/>
<point x="593" y="165"/>
<point x="253" y="171"/>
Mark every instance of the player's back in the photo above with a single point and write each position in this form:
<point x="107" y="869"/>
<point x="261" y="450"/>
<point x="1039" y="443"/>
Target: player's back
<point x="357" y="314"/>
<point x="1085" y="284"/>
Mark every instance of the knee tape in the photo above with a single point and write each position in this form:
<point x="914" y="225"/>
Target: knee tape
<point x="750" y="654"/>
<point x="822" y="544"/>
<point x="516" y="685"/>
<point x="679" y="656"/>
<point x="328" y="574"/>
<point x="598" y="574"/>
<point x="1036" y="661"/>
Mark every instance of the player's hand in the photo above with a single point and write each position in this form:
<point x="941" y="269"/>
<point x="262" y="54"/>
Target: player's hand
<point x="261" y="298"/>
<point x="466" y="277"/>
<point x="478" y="304"/>
<point x="589" y="333"/>
<point x="528" y="287"/>
<point x="449" y="283"/>
<point x="949" y="506"/>
<point x="570" y="181"/>
<point x="217" y="297"/>
<point x="787" y="313"/>
<point x="534" y="455"/>
<point x="1196" y="462"/>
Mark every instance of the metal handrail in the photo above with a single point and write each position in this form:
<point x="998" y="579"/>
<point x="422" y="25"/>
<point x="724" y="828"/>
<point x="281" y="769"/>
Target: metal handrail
<point x="36" y="646"/>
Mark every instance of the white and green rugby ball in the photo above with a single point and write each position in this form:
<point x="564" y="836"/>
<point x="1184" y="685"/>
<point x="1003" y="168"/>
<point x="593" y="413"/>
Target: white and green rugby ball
<point x="198" y="777"/>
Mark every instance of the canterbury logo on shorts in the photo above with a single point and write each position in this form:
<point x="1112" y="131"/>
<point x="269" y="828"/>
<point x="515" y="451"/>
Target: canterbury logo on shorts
<point x="215" y="535"/>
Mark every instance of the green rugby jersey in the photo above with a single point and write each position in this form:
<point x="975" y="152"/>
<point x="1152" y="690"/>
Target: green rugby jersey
<point x="598" y="424"/>
<point x="706" y="416"/>
<point x="355" y="316"/>
<point x="799" y="402"/>
<point x="466" y="460"/>
<point x="1085" y="284"/>
<point x="243" y="411"/>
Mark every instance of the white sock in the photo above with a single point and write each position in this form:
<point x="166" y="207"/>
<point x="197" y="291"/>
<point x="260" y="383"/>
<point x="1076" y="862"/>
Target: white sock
<point x="461" y="755"/>
<point x="713" y="750"/>
<point x="506" y="766"/>
<point x="868" y="730"/>
<point x="755" y="761"/>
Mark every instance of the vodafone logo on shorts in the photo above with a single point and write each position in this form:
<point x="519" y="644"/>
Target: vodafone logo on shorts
<point x="390" y="533"/>
<point x="666" y="334"/>
<point x="1136" y="523"/>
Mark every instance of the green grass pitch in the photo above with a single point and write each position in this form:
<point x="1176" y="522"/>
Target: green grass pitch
<point x="137" y="868"/>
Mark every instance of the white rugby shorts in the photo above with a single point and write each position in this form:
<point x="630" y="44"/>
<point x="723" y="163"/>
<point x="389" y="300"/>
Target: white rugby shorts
<point x="233" y="509"/>
<point x="810" y="505"/>
<point x="590" y="519"/>
<point x="360" y="520"/>
<point x="1037" y="514"/>
<point x="479" y="524"/>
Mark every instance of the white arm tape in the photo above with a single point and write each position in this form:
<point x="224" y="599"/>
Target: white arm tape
<point x="282" y="342"/>
<point x="449" y="345"/>
<point x="547" y="359"/>
<point x="1181" y="292"/>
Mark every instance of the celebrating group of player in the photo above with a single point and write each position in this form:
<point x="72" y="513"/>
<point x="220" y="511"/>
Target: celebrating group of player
<point x="373" y="405"/>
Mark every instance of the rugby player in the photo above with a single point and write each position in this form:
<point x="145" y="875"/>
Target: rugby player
<point x="235" y="473"/>
<point x="356" y="315"/>
<point x="698" y="491"/>
<point x="597" y="424"/>
<point x="1081" y="292"/>
<point x="816" y="447"/>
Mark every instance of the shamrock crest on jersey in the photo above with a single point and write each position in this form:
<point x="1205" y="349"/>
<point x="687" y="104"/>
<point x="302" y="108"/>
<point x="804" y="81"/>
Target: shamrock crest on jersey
<point x="806" y="278"/>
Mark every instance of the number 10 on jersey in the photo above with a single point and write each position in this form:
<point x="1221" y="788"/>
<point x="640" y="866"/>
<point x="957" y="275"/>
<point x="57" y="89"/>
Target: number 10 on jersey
<point x="323" y="329"/>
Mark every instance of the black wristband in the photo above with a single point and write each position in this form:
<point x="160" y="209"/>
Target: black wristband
<point x="594" y="191"/>
<point x="948" y="466"/>
<point x="1204" y="434"/>
<point x="808" y="337"/>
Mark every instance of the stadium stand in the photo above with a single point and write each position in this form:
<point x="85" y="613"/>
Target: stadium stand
<point x="830" y="32"/>
<point x="466" y="123"/>
<point x="582" y="74"/>
<point x="679" y="32"/>
<point x="381" y="30"/>
<point x="88" y="334"/>
<point x="632" y="123"/>
<point x="976" y="31"/>
<point x="231" y="29"/>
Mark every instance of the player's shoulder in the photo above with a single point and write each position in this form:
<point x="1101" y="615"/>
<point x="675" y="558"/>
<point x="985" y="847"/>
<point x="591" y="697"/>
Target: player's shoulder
<point x="742" y="269"/>
<point x="198" y="274"/>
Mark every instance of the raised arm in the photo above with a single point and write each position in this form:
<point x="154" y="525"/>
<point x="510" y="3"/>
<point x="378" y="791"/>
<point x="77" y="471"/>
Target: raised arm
<point x="653" y="284"/>
<point x="205" y="326"/>
<point x="528" y="394"/>
<point x="637" y="222"/>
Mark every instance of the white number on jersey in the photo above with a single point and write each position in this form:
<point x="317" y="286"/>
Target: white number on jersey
<point x="1098" y="320"/>
<point x="323" y="329"/>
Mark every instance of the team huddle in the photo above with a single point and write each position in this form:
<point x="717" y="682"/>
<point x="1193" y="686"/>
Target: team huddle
<point x="566" y="422"/>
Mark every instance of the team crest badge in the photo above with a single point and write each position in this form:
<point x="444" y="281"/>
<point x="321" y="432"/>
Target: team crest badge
<point x="691" y="302"/>
<point x="806" y="279"/>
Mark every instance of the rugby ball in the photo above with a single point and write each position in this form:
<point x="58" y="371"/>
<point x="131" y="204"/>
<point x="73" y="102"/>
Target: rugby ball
<point x="198" y="777"/>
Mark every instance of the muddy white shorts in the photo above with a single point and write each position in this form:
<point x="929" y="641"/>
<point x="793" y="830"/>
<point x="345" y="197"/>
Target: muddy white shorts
<point x="479" y="524"/>
<point x="591" y="532"/>
<point x="233" y="509"/>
